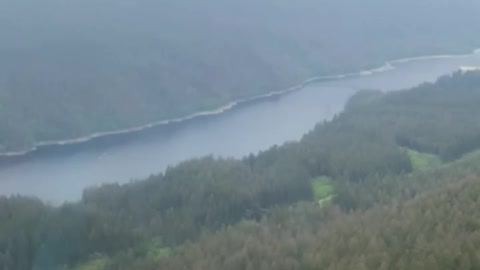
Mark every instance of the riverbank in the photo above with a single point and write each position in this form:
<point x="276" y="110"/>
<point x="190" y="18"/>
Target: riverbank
<point x="389" y="65"/>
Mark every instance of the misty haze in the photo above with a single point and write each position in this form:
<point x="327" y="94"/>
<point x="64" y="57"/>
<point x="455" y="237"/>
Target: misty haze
<point x="239" y="134"/>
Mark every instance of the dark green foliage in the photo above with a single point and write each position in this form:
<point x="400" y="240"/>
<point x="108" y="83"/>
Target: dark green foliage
<point x="201" y="194"/>
<point x="22" y="231"/>
<point x="450" y="131"/>
<point x="437" y="230"/>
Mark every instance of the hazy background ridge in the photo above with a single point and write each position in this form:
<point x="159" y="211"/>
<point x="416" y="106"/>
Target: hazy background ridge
<point x="70" y="68"/>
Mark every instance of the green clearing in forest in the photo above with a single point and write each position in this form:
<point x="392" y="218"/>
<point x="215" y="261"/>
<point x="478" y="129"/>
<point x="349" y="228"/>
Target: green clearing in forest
<point x="423" y="161"/>
<point x="322" y="188"/>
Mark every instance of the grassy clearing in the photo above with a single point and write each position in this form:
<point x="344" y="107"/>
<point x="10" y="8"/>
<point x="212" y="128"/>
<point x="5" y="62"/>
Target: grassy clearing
<point x="99" y="263"/>
<point x="422" y="161"/>
<point x="322" y="188"/>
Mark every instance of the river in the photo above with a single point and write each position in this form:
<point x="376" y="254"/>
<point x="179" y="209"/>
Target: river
<point x="61" y="173"/>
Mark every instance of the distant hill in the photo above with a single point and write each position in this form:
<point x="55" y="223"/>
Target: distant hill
<point x="70" y="68"/>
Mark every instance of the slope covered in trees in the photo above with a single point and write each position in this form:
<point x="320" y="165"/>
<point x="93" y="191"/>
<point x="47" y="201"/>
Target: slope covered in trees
<point x="436" y="230"/>
<point x="262" y="212"/>
<point x="71" y="68"/>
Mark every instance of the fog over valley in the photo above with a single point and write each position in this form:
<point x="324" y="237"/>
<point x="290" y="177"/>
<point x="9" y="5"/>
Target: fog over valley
<point x="239" y="134"/>
<point x="72" y="68"/>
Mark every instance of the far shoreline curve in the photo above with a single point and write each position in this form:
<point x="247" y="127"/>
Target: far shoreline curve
<point x="388" y="65"/>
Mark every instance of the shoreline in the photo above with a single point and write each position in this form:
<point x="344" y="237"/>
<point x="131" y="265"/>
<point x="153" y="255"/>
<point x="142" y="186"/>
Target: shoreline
<point x="389" y="65"/>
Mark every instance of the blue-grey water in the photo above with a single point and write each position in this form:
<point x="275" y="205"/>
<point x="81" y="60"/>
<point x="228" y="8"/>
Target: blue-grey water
<point x="61" y="174"/>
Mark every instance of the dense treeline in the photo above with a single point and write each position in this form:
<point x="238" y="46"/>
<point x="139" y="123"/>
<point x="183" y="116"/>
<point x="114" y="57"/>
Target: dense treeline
<point x="246" y="214"/>
<point x="203" y="193"/>
<point x="437" y="230"/>
<point x="77" y="67"/>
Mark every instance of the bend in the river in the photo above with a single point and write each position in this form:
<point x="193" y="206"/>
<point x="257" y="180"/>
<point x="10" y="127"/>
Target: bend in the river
<point x="60" y="172"/>
<point x="389" y="65"/>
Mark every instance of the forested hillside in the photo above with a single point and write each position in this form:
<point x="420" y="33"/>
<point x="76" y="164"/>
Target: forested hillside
<point x="71" y="68"/>
<point x="391" y="183"/>
<point x="437" y="230"/>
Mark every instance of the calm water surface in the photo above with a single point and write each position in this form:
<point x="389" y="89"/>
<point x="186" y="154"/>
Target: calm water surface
<point x="61" y="174"/>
